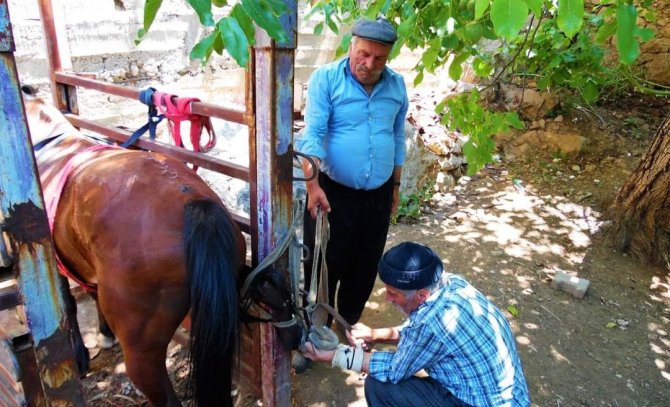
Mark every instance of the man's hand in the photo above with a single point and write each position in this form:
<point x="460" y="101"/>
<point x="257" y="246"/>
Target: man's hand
<point x="316" y="199"/>
<point x="310" y="352"/>
<point x="395" y="201"/>
<point x="360" y="334"/>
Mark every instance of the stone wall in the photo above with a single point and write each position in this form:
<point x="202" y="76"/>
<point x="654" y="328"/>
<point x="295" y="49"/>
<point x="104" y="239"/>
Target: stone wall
<point x="655" y="55"/>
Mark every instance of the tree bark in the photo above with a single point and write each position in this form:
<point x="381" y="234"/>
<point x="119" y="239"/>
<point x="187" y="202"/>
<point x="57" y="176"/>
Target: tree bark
<point x="641" y="210"/>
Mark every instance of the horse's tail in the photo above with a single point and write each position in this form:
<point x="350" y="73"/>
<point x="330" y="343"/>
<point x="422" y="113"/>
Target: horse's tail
<point x="211" y="261"/>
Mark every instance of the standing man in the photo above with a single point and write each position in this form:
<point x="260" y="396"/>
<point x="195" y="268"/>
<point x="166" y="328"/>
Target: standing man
<point x="354" y="131"/>
<point x="459" y="338"/>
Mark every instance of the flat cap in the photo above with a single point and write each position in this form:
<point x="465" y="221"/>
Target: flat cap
<point x="410" y="266"/>
<point x="379" y="30"/>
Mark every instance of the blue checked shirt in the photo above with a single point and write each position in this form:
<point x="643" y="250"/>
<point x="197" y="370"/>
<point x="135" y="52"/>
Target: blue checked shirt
<point x="359" y="138"/>
<point x="464" y="342"/>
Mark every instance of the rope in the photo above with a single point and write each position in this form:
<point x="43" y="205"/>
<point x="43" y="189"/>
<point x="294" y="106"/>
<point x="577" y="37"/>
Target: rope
<point x="319" y="335"/>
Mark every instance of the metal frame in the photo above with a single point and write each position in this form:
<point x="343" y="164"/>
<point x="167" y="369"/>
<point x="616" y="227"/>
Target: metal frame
<point x="49" y="372"/>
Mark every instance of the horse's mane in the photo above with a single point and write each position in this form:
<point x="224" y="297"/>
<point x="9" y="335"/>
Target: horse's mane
<point x="44" y="120"/>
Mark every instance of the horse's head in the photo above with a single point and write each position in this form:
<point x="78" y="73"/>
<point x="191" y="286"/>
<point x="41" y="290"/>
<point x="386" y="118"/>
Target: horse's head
<point x="271" y="290"/>
<point x="44" y="120"/>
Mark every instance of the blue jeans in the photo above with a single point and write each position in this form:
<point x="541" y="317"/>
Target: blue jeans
<point x="415" y="391"/>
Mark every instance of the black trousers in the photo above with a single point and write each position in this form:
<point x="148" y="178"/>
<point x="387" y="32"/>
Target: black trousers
<point x="414" y="391"/>
<point x="359" y="222"/>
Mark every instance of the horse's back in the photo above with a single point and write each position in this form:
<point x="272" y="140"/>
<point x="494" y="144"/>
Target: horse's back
<point x="123" y="210"/>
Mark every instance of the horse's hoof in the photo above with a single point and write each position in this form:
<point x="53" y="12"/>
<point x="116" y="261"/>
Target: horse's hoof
<point x="299" y="362"/>
<point x="105" y="342"/>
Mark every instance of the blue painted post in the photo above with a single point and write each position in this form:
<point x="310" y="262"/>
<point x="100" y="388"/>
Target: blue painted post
<point x="273" y="86"/>
<point x="25" y="223"/>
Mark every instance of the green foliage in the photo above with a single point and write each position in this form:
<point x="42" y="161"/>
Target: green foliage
<point x="234" y="33"/>
<point x="508" y="16"/>
<point x="548" y="44"/>
<point x="465" y="114"/>
<point x="409" y="206"/>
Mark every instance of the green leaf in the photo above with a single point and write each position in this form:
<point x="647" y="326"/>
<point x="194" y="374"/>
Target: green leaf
<point x="203" y="49"/>
<point x="605" y="31"/>
<point x="429" y="57"/>
<point x="278" y="7"/>
<point x="318" y="29"/>
<point x="570" y="16"/>
<point x="151" y="8"/>
<point x="455" y="67"/>
<point x="203" y="8"/>
<point x="480" y="8"/>
<point x="481" y="67"/>
<point x="508" y="16"/>
<point x="645" y="34"/>
<point x="245" y="22"/>
<point x="473" y="32"/>
<point x="590" y="92"/>
<point x="407" y="26"/>
<point x="610" y="325"/>
<point x="512" y="119"/>
<point x="140" y="36"/>
<point x="626" y="43"/>
<point x="513" y="310"/>
<point x="234" y="39"/>
<point x="478" y="152"/>
<point x="218" y="46"/>
<point x="344" y="45"/>
<point x="260" y="12"/>
<point x="535" y="6"/>
<point x="331" y="24"/>
<point x="418" y="78"/>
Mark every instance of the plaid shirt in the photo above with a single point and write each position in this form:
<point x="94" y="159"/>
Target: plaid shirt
<point x="464" y="342"/>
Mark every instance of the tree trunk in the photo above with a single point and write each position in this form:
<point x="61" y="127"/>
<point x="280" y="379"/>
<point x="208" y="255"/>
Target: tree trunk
<point x="641" y="210"/>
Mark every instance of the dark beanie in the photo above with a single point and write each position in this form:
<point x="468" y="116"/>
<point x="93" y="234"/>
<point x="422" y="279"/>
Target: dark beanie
<point x="410" y="266"/>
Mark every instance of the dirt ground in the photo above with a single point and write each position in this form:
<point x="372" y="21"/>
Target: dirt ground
<point x="508" y="230"/>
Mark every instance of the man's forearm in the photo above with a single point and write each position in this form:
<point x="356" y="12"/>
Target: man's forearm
<point x="385" y="335"/>
<point x="311" y="172"/>
<point x="397" y="174"/>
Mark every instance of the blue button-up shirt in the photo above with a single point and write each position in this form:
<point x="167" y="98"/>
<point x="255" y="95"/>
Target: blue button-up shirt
<point x="359" y="138"/>
<point x="464" y="342"/>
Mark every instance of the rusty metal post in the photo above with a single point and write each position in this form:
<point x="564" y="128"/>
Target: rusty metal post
<point x="26" y="225"/>
<point x="274" y="72"/>
<point x="64" y="96"/>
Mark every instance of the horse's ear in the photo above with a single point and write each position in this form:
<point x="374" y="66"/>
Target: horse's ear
<point x="29" y="90"/>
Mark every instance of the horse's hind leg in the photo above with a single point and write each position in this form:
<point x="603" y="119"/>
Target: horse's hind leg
<point x="76" y="341"/>
<point x="144" y="334"/>
<point x="146" y="369"/>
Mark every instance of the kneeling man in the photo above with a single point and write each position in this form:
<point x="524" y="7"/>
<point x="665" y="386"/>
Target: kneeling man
<point x="459" y="338"/>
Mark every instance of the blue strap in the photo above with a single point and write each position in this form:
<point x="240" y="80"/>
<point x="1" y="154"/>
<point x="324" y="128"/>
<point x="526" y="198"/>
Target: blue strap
<point x="146" y="97"/>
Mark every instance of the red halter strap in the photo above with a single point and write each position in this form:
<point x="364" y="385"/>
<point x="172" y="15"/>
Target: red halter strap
<point x="52" y="194"/>
<point x="177" y="109"/>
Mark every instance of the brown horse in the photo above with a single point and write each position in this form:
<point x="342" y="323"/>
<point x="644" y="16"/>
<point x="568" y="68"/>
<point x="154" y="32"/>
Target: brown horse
<point x="151" y="241"/>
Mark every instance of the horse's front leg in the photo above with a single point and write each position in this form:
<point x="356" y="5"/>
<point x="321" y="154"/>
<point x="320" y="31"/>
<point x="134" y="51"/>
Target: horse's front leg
<point x="106" y="338"/>
<point x="76" y="341"/>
